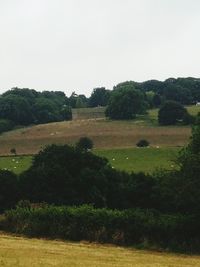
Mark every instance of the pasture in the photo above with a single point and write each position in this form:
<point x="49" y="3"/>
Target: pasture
<point x="104" y="133"/>
<point x="23" y="252"/>
<point x="16" y="164"/>
<point x="134" y="159"/>
<point x="140" y="159"/>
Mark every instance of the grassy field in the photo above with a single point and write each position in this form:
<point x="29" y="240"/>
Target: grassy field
<point x="105" y="134"/>
<point x="140" y="159"/>
<point x="134" y="159"/>
<point x="17" y="164"/>
<point x="24" y="252"/>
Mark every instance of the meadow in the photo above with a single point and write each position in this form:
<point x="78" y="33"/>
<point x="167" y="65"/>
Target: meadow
<point x="23" y="252"/>
<point x="134" y="159"/>
<point x="112" y="139"/>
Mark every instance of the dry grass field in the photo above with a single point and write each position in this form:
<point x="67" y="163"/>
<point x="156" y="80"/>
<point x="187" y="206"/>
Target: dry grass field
<point x="105" y="134"/>
<point x="24" y="252"/>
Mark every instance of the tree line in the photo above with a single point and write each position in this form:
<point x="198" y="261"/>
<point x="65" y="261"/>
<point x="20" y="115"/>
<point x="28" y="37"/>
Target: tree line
<point x="126" y="100"/>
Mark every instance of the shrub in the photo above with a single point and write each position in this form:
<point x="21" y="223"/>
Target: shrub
<point x="127" y="227"/>
<point x="85" y="143"/>
<point x="9" y="191"/>
<point x="142" y="143"/>
<point x="13" y="151"/>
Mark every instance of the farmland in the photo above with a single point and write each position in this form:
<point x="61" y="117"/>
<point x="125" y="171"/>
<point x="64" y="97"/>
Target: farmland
<point x="23" y="252"/>
<point x="134" y="159"/>
<point x="112" y="139"/>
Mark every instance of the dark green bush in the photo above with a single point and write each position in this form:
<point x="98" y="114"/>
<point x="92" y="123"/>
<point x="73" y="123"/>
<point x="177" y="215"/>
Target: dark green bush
<point x="127" y="227"/>
<point x="9" y="190"/>
<point x="142" y="143"/>
<point x="85" y="143"/>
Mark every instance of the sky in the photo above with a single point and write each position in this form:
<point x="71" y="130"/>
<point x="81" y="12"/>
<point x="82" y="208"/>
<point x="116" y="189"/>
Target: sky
<point x="78" y="45"/>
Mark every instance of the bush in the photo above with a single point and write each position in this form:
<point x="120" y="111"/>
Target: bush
<point x="142" y="143"/>
<point x="85" y="143"/>
<point x="13" y="151"/>
<point x="127" y="227"/>
<point x="9" y="191"/>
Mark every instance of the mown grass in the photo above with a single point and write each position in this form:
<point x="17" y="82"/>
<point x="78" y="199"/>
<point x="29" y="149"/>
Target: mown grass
<point x="17" y="164"/>
<point x="24" y="252"/>
<point x="131" y="159"/>
<point x="141" y="159"/>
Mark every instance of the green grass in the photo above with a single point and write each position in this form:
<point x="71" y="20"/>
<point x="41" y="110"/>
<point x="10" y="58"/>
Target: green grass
<point x="17" y="164"/>
<point x="140" y="159"/>
<point x="130" y="159"/>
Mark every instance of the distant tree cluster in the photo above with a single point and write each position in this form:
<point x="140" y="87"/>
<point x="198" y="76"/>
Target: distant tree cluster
<point x="26" y="106"/>
<point x="126" y="100"/>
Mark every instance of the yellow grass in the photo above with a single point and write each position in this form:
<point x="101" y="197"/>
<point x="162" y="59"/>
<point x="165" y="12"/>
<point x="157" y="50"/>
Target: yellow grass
<point x="23" y="252"/>
<point x="105" y="134"/>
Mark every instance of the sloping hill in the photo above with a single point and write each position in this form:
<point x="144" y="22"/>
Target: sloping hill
<point x="105" y="134"/>
<point x="24" y="252"/>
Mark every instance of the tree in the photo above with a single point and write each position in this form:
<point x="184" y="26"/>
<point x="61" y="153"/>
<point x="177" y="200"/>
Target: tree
<point x="157" y="100"/>
<point x="125" y="103"/>
<point x="62" y="174"/>
<point x="170" y="113"/>
<point x="66" y="112"/>
<point x="45" y="110"/>
<point x="99" y="97"/>
<point x="188" y="188"/>
<point x="15" y="108"/>
<point x="84" y="143"/>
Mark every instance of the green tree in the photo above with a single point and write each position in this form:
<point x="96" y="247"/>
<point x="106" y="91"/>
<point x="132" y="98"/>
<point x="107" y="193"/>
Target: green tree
<point x="170" y="113"/>
<point x="125" y="103"/>
<point x="99" y="97"/>
<point x="45" y="110"/>
<point x="188" y="186"/>
<point x="16" y="108"/>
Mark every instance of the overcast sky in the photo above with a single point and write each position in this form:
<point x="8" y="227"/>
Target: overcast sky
<point x="77" y="45"/>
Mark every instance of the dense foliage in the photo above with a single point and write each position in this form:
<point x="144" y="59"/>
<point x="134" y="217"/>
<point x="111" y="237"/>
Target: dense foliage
<point x="99" y="97"/>
<point x="26" y="106"/>
<point x="145" y="228"/>
<point x="171" y="113"/>
<point x="125" y="102"/>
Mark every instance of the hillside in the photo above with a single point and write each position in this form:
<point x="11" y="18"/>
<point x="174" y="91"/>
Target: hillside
<point x="106" y="134"/>
<point x="23" y="252"/>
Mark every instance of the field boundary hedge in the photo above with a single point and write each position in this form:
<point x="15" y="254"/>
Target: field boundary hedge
<point x="137" y="227"/>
